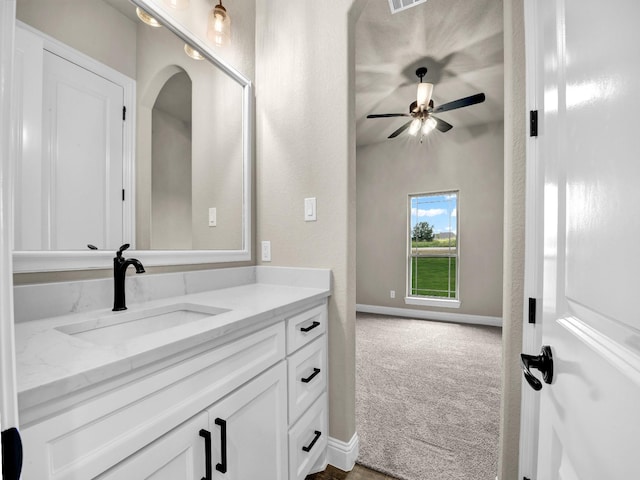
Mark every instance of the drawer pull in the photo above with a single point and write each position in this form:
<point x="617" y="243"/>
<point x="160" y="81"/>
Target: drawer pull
<point x="222" y="466"/>
<point x="207" y="453"/>
<point x="310" y="327"/>
<point x="313" y="442"/>
<point x="316" y="371"/>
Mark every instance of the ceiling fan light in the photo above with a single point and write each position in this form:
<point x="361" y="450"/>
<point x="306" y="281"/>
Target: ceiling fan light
<point x="414" y="128"/>
<point x="428" y="125"/>
<point x="219" y="26"/>
<point x="425" y="90"/>
<point x="146" y="18"/>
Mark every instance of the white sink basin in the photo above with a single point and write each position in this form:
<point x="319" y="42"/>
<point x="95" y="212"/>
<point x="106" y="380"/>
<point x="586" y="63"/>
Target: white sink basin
<point x="119" y="327"/>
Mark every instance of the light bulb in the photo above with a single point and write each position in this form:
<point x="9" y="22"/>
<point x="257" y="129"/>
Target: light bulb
<point x="146" y="18"/>
<point x="219" y="26"/>
<point x="414" y="128"/>
<point x="425" y="90"/>
<point x="429" y="124"/>
<point x="192" y="52"/>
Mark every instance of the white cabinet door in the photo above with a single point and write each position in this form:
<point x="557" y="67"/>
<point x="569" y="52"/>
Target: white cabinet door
<point x="589" y="144"/>
<point x="180" y="454"/>
<point x="249" y="430"/>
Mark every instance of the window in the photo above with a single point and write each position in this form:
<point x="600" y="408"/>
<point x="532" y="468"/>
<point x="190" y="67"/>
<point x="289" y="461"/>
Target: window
<point x="433" y="249"/>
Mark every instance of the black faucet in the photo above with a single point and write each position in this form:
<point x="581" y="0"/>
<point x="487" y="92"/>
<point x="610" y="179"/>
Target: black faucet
<point x="119" y="273"/>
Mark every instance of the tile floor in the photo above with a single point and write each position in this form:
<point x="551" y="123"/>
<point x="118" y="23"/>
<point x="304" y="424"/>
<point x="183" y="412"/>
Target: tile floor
<point x="358" y="473"/>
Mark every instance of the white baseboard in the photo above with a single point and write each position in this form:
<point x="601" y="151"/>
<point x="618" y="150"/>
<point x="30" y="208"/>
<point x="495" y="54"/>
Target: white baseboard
<point x="430" y="315"/>
<point x="343" y="455"/>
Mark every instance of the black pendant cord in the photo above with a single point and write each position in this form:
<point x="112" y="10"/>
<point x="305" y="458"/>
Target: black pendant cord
<point x="11" y="454"/>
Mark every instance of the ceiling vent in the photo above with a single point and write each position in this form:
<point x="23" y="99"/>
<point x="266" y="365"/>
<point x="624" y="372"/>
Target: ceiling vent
<point x="399" y="5"/>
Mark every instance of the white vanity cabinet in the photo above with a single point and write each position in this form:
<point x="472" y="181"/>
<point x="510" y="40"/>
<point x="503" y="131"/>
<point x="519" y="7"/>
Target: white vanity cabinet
<point x="307" y="380"/>
<point x="242" y="437"/>
<point x="253" y="406"/>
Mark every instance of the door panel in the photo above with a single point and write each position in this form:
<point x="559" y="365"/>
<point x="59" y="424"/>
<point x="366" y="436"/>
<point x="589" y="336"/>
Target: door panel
<point x="255" y="432"/>
<point x="177" y="455"/>
<point x="82" y="171"/>
<point x="588" y="145"/>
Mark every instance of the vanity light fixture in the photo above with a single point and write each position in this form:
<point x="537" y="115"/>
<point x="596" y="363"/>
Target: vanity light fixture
<point x="177" y="4"/>
<point x="219" y="26"/>
<point x="192" y="52"/>
<point x="146" y="18"/>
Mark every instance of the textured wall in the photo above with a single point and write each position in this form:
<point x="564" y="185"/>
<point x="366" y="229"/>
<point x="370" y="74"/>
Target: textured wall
<point x="90" y="26"/>
<point x="514" y="238"/>
<point x="304" y="149"/>
<point x="469" y="160"/>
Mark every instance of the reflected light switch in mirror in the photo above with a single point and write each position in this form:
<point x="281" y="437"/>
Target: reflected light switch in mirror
<point x="310" y="209"/>
<point x="212" y="217"/>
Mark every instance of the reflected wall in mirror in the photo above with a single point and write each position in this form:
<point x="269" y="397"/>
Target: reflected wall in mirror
<point x="75" y="184"/>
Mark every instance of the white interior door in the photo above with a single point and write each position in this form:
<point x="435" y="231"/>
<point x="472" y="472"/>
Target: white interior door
<point x="83" y="168"/>
<point x="589" y="144"/>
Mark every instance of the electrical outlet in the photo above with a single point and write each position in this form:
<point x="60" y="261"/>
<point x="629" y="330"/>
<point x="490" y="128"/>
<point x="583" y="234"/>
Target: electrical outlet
<point x="266" y="251"/>
<point x="392" y="293"/>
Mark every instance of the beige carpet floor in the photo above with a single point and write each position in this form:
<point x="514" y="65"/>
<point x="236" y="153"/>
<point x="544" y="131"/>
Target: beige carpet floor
<point x="427" y="398"/>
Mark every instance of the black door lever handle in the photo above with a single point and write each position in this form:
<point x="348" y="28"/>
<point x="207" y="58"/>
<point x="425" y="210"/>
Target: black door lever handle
<point x="542" y="362"/>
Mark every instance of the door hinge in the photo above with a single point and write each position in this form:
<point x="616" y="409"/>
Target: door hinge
<point x="533" y="123"/>
<point x="124" y="113"/>
<point x="532" y="310"/>
<point x="123" y="194"/>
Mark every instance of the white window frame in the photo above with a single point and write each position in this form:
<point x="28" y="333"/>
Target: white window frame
<point x="425" y="300"/>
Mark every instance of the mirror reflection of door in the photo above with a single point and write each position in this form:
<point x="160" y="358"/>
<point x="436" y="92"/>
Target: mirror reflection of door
<point x="69" y="185"/>
<point x="171" y="191"/>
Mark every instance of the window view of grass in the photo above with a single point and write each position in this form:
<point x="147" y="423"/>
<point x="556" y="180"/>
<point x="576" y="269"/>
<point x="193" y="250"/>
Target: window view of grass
<point x="433" y="233"/>
<point x="433" y="276"/>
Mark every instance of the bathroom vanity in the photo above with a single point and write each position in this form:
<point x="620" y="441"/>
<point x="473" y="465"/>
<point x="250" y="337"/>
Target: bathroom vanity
<point x="223" y="383"/>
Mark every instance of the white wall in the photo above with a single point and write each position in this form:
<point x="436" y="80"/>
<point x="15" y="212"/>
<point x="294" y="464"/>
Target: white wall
<point x="90" y="26"/>
<point x="306" y="148"/>
<point x="469" y="160"/>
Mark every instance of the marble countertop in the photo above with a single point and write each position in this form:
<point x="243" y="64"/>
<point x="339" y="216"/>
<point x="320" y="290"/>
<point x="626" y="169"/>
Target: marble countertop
<point x="52" y="364"/>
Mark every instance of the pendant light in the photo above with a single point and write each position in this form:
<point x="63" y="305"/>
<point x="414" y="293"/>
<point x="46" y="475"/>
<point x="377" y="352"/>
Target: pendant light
<point x="146" y="18"/>
<point x="219" y="26"/>
<point x="192" y="52"/>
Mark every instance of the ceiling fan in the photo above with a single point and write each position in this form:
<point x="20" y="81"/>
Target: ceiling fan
<point x="422" y="110"/>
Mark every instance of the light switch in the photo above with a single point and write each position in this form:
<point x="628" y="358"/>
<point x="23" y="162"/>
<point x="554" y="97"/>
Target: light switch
<point x="212" y="217"/>
<point x="266" y="251"/>
<point x="310" y="209"/>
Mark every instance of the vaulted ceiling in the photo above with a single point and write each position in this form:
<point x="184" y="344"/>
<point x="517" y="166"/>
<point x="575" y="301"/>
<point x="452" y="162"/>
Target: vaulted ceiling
<point x="459" y="41"/>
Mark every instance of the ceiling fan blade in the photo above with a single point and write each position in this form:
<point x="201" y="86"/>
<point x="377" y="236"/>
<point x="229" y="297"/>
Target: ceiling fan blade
<point x="461" y="102"/>
<point x="387" y="115"/>
<point x="441" y="124"/>
<point x="400" y="130"/>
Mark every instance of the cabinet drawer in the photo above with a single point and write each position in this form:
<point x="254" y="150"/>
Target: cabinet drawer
<point x="308" y="439"/>
<point x="306" y="327"/>
<point x="92" y="437"/>
<point x="307" y="372"/>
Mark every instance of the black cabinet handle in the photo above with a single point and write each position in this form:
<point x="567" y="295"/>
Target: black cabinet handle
<point x="313" y="442"/>
<point x="207" y="453"/>
<point x="310" y="327"/>
<point x="316" y="371"/>
<point x="222" y="466"/>
<point x="543" y="362"/>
